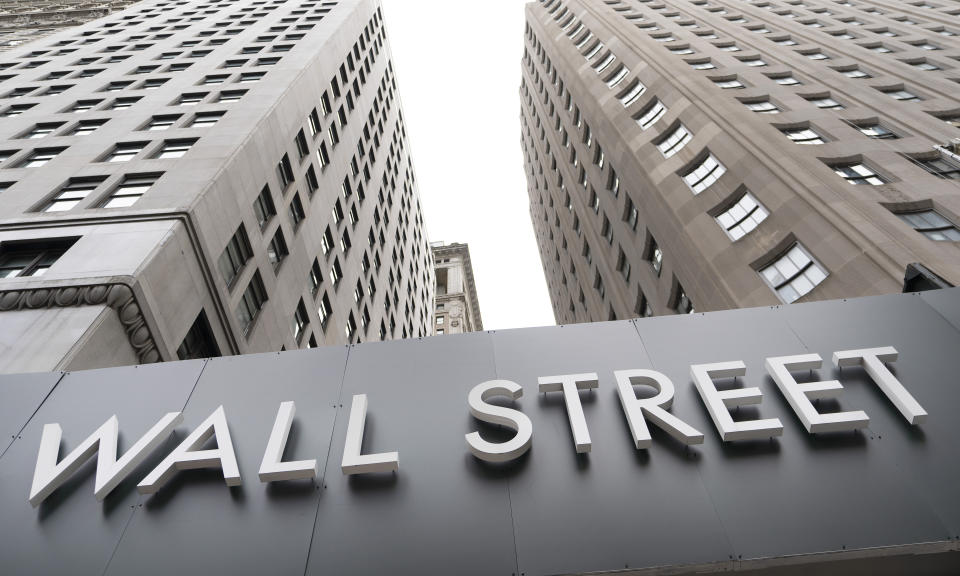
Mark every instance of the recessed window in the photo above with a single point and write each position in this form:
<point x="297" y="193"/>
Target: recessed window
<point x="74" y="192"/>
<point x="754" y="62"/>
<point x="856" y="73"/>
<point x="277" y="250"/>
<point x="704" y="174"/>
<point x="794" y="274"/>
<point x="83" y="106"/>
<point x="174" y="148"/>
<point x="254" y="297"/>
<point x="655" y="256"/>
<point x="40" y="157"/>
<point x="199" y="342"/>
<point x="248" y="77"/>
<point x="816" y="56"/>
<point x="929" y="223"/>
<point x="42" y="130"/>
<point x="654" y="111"/>
<point x="161" y="122"/>
<point x="731" y="83"/>
<point x="674" y="141"/>
<point x="763" y="107"/>
<point x="123" y="103"/>
<point x="300" y="321"/>
<point x="903" y="95"/>
<point x="742" y="217"/>
<point x="21" y="259"/>
<point x="940" y="167"/>
<point x="214" y="79"/>
<point x="684" y="305"/>
<point x="85" y="127"/>
<point x="703" y="65"/>
<point x="924" y="65"/>
<point x="803" y="136"/>
<point x="786" y="41"/>
<point x="826" y="103"/>
<point x="153" y="83"/>
<point x="191" y="99"/>
<point x="130" y="190"/>
<point x="124" y="152"/>
<point x="206" y="119"/>
<point x="231" y="96"/>
<point x="297" y="215"/>
<point x="263" y="207"/>
<point x="858" y="173"/>
<point x="235" y="256"/>
<point x="876" y="130"/>
<point x="787" y="80"/>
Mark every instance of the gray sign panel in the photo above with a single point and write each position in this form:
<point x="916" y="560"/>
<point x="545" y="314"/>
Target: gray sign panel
<point x="837" y="500"/>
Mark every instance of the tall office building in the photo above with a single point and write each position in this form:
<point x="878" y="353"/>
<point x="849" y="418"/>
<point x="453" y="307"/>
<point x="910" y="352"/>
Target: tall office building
<point x="457" y="308"/>
<point x="24" y="20"/>
<point x="200" y="177"/>
<point x="711" y="154"/>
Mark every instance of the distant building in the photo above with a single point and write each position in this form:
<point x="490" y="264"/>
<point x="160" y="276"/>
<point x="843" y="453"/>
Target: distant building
<point x="705" y="155"/>
<point x="24" y="20"/>
<point x="457" y="307"/>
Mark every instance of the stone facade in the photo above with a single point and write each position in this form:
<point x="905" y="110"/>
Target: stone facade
<point x="22" y="21"/>
<point x="676" y="152"/>
<point x="197" y="178"/>
<point x="457" y="308"/>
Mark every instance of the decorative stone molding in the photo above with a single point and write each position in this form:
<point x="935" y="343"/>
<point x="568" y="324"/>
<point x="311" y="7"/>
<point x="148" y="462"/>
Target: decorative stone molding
<point x="117" y="296"/>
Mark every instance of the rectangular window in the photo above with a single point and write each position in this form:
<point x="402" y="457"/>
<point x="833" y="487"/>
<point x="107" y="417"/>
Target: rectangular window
<point x="158" y="123"/>
<point x="235" y="256"/>
<point x="85" y="127"/>
<point x="42" y="130"/>
<point x="794" y="274"/>
<point x="324" y="311"/>
<point x="632" y="93"/>
<point x="674" y="141"/>
<point x="684" y="304"/>
<point x="651" y="114"/>
<point x="826" y="103"/>
<point x="263" y="207"/>
<point x="130" y="190"/>
<point x="655" y="256"/>
<point x="20" y="259"/>
<point x="254" y="297"/>
<point x="742" y="217"/>
<point x="191" y="99"/>
<point x="803" y="136"/>
<point x="75" y="191"/>
<point x="285" y="172"/>
<point x="878" y="131"/>
<point x="704" y="174"/>
<point x="124" y="152"/>
<point x="277" y="250"/>
<point x="301" y="142"/>
<point x="315" y="278"/>
<point x="763" y="107"/>
<point x="231" y="96"/>
<point x="297" y="215"/>
<point x="932" y="225"/>
<point x="300" y="321"/>
<point x="205" y="119"/>
<point x="199" y="342"/>
<point x="175" y="148"/>
<point x="940" y="167"/>
<point x="903" y="95"/>
<point x="858" y="173"/>
<point x="40" y="157"/>
<point x="336" y="273"/>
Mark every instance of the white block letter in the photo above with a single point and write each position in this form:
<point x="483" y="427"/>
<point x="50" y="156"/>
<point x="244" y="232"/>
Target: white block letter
<point x="636" y="410"/>
<point x="49" y="475"/>
<point x="719" y="403"/>
<point x="873" y="362"/>
<point x="353" y="461"/>
<point x="799" y="395"/>
<point x="513" y="419"/>
<point x="570" y="384"/>
<point x="188" y="456"/>
<point x="272" y="469"/>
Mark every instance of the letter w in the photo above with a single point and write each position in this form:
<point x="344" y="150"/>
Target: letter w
<point x="50" y="475"/>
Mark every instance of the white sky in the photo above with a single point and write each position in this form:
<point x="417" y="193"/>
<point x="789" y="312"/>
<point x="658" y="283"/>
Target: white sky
<point x="458" y="73"/>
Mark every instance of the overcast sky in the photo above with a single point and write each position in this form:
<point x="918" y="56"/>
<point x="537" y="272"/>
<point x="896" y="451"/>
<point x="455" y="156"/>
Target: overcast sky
<point x="458" y="71"/>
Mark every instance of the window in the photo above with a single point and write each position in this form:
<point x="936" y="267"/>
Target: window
<point x="857" y="173"/>
<point x="655" y="256"/>
<point x="235" y="256"/>
<point x="174" y="148"/>
<point x="903" y="95"/>
<point x="124" y="152"/>
<point x="653" y="112"/>
<point x="263" y="207"/>
<point x="42" y="130"/>
<point x="73" y="193"/>
<point x="927" y="222"/>
<point x="675" y="141"/>
<point x="731" y="83"/>
<point x="826" y="103"/>
<point x="161" y="122"/>
<point x="940" y="167"/>
<point x="85" y="127"/>
<point x="856" y="73"/>
<point x="704" y="174"/>
<point x="794" y="274"/>
<point x="324" y="311"/>
<point x="20" y="259"/>
<point x="741" y="218"/>
<point x="754" y="62"/>
<point x="214" y="79"/>
<point x="231" y="96"/>
<point x="205" y="119"/>
<point x="254" y="297"/>
<point x="336" y="273"/>
<point x="153" y="83"/>
<point x="684" y="305"/>
<point x="803" y="136"/>
<point x="199" y="342"/>
<point x="326" y="241"/>
<point x="785" y="80"/>
<point x="277" y="250"/>
<point x="300" y="321"/>
<point x="632" y="94"/>
<point x="40" y="157"/>
<point x="301" y="142"/>
<point x="130" y="190"/>
<point x="763" y="107"/>
<point x="702" y="65"/>
<point x="17" y="109"/>
<point x="296" y="211"/>
<point x="123" y="103"/>
<point x="875" y="130"/>
<point x="191" y="99"/>
<point x="817" y="56"/>
<point x="285" y="172"/>
<point x="642" y="307"/>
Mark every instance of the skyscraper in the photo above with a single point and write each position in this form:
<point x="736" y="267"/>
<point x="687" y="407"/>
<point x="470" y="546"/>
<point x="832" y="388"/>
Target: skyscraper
<point x="715" y="154"/>
<point x="457" y="308"/>
<point x="191" y="178"/>
<point x="26" y="20"/>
